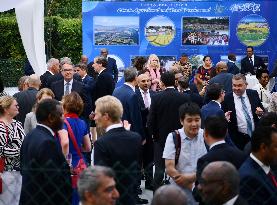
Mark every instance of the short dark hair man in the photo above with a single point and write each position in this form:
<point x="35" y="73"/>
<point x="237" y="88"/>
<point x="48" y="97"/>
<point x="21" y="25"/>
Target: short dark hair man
<point x="163" y="119"/>
<point x="258" y="184"/>
<point x="96" y="186"/>
<point x="169" y="195"/>
<point x="231" y="64"/>
<point x="251" y="62"/>
<point x="45" y="171"/>
<point x="111" y="64"/>
<point x="219" y="184"/>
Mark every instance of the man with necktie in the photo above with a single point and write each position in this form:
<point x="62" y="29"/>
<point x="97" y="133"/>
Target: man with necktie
<point x="144" y="97"/>
<point x="246" y="109"/>
<point x="258" y="184"/>
<point x="251" y="62"/>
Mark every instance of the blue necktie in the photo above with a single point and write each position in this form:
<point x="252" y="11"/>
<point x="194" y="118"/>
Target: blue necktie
<point x="247" y="116"/>
<point x="67" y="89"/>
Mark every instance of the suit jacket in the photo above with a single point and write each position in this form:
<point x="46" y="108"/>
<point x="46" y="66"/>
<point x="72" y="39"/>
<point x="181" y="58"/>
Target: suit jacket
<point x="26" y="100"/>
<point x="144" y="111"/>
<point x="194" y="97"/>
<point x="164" y="113"/>
<point x="44" y="78"/>
<point x="104" y="85"/>
<point x="221" y="152"/>
<point x="112" y="68"/>
<point x="131" y="108"/>
<point x="229" y="105"/>
<point x="57" y="77"/>
<point x="87" y="80"/>
<point x="255" y="186"/>
<point x="120" y="149"/>
<point x="247" y="67"/>
<point x="224" y="79"/>
<point x="240" y="201"/>
<point x="210" y="109"/>
<point x="44" y="170"/>
<point x="58" y="90"/>
<point x="232" y="68"/>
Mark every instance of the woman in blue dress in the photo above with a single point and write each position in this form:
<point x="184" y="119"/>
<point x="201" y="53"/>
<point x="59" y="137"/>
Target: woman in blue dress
<point x="73" y="107"/>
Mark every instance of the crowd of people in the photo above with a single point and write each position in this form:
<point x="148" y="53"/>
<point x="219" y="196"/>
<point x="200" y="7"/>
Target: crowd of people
<point x="211" y="138"/>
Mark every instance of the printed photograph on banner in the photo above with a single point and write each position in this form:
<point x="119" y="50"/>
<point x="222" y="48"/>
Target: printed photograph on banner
<point x="165" y="61"/>
<point x="212" y="31"/>
<point x="160" y="31"/>
<point x="253" y="30"/>
<point x="116" y="30"/>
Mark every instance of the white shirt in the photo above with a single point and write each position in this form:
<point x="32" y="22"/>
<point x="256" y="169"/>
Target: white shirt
<point x="147" y="95"/>
<point x="191" y="151"/>
<point x="48" y="128"/>
<point x="217" y="103"/>
<point x="101" y="71"/>
<point x="70" y="85"/>
<point x="133" y="87"/>
<point x="113" y="126"/>
<point x="252" y="58"/>
<point x="231" y="201"/>
<point x="84" y="77"/>
<point x="262" y="165"/>
<point x="217" y="143"/>
<point x="264" y="95"/>
<point x="241" y="120"/>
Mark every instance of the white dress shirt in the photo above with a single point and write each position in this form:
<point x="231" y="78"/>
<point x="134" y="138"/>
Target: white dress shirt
<point x="48" y="128"/>
<point x="217" y="143"/>
<point x="147" y="95"/>
<point x="114" y="126"/>
<point x="241" y="120"/>
<point x="70" y="85"/>
<point x="262" y="165"/>
<point x="231" y="201"/>
<point x="131" y="86"/>
<point x="264" y="95"/>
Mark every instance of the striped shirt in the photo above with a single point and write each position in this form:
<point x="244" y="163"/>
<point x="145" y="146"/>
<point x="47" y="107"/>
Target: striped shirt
<point x="10" y="147"/>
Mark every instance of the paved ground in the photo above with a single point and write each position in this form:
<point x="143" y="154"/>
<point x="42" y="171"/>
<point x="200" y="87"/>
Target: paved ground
<point x="146" y="194"/>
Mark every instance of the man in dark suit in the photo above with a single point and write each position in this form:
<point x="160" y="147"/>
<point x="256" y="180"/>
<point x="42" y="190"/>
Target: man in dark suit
<point x="144" y="97"/>
<point x="129" y="99"/>
<point x="251" y="62"/>
<point x="245" y="107"/>
<point x="68" y="85"/>
<point x="214" y="135"/>
<point x="44" y="169"/>
<point x="111" y="67"/>
<point x="258" y="184"/>
<point x="117" y="148"/>
<point x="223" y="77"/>
<point x="219" y="184"/>
<point x="53" y="67"/>
<point x="163" y="119"/>
<point x="27" y="98"/>
<point x="104" y="84"/>
<point x="232" y="67"/>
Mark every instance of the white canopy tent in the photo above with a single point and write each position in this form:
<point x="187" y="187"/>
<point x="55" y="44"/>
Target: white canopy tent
<point x="30" y="19"/>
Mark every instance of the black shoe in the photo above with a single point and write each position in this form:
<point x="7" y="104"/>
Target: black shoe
<point x="141" y="201"/>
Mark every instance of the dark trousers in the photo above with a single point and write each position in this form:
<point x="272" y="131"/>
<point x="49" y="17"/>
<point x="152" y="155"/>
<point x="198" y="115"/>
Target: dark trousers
<point x="148" y="162"/>
<point x="159" y="165"/>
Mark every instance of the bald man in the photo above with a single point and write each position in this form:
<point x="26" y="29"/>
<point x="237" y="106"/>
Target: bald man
<point x="169" y="195"/>
<point x="219" y="184"/>
<point x="223" y="77"/>
<point x="144" y="97"/>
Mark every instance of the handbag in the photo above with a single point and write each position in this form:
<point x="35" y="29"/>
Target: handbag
<point x="81" y="163"/>
<point x="2" y="160"/>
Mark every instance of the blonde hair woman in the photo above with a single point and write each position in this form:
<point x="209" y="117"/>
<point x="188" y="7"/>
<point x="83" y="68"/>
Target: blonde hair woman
<point x="11" y="138"/>
<point x="154" y="67"/>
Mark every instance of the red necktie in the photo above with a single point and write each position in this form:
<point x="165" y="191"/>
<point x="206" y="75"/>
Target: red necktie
<point x="272" y="178"/>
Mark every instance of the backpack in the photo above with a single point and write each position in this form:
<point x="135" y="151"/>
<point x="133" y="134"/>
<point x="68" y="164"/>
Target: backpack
<point x="177" y="143"/>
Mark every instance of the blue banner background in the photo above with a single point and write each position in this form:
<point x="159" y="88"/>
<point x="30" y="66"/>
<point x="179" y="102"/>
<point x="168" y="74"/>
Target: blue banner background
<point x="235" y="10"/>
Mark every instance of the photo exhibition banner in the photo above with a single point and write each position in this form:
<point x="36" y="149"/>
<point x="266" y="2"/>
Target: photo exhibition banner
<point x="169" y="29"/>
